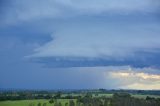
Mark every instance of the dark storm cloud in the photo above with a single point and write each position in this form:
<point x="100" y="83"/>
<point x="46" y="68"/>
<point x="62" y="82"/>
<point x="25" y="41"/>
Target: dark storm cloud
<point x="48" y="43"/>
<point x="139" y="60"/>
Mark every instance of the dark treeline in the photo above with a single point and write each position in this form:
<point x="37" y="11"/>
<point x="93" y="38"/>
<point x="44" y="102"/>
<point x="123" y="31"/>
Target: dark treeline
<point x="85" y="99"/>
<point x="33" y="94"/>
<point x="118" y="99"/>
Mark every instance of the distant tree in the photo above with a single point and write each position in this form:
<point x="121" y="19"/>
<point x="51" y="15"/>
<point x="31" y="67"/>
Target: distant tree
<point x="71" y="103"/>
<point x="31" y="104"/>
<point x="82" y="104"/>
<point x="102" y="90"/>
<point x="58" y="95"/>
<point x="106" y="102"/>
<point x="89" y="104"/>
<point x="59" y="104"/>
<point x="69" y="97"/>
<point x="51" y="101"/>
<point x="66" y="104"/>
<point x="121" y="95"/>
<point x="44" y="104"/>
<point x="150" y="98"/>
<point x="47" y="96"/>
<point x="78" y="104"/>
<point x="88" y="95"/>
<point x="96" y="94"/>
<point x="56" y="103"/>
<point x="39" y="104"/>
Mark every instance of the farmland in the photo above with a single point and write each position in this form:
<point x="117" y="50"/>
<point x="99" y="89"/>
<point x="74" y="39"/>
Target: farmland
<point x="29" y="102"/>
<point x="80" y="98"/>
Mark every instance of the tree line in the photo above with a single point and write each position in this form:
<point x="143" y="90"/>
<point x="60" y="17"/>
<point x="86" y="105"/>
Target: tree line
<point x="118" y="99"/>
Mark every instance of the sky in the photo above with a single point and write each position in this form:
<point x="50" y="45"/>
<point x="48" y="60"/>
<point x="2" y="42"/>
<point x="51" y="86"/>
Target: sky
<point x="80" y="44"/>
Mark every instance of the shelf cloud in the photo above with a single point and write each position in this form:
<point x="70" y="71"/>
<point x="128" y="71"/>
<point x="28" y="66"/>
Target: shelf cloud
<point x="48" y="43"/>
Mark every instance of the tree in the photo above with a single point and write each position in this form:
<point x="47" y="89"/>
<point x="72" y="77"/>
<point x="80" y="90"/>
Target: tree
<point x="56" y="103"/>
<point x="51" y="101"/>
<point x="96" y="94"/>
<point x="149" y="98"/>
<point x="106" y="102"/>
<point x="39" y="104"/>
<point x="71" y="103"/>
<point x="88" y="95"/>
<point x="59" y="104"/>
<point x="31" y="104"/>
<point x="44" y="104"/>
<point x="66" y="104"/>
<point x="58" y="95"/>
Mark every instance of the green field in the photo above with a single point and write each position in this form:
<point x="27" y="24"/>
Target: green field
<point x="27" y="102"/>
<point x="23" y="102"/>
<point x="63" y="101"/>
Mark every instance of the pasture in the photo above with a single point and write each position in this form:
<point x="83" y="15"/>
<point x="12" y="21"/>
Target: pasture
<point x="62" y="101"/>
<point x="35" y="102"/>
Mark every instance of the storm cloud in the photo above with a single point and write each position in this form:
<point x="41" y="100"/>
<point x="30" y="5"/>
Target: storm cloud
<point x="101" y="41"/>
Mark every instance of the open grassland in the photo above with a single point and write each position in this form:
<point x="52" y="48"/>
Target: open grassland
<point x="23" y="102"/>
<point x="35" y="102"/>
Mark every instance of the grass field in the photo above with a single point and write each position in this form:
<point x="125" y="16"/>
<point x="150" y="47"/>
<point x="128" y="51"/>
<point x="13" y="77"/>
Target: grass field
<point x="27" y="102"/>
<point x="23" y="102"/>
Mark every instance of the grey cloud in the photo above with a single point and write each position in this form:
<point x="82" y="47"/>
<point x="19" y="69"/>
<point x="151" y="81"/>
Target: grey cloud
<point x="102" y="44"/>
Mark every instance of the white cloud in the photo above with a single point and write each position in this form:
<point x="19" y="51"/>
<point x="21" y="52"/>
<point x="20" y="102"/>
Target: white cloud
<point x="130" y="74"/>
<point x="133" y="79"/>
<point x="141" y="86"/>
